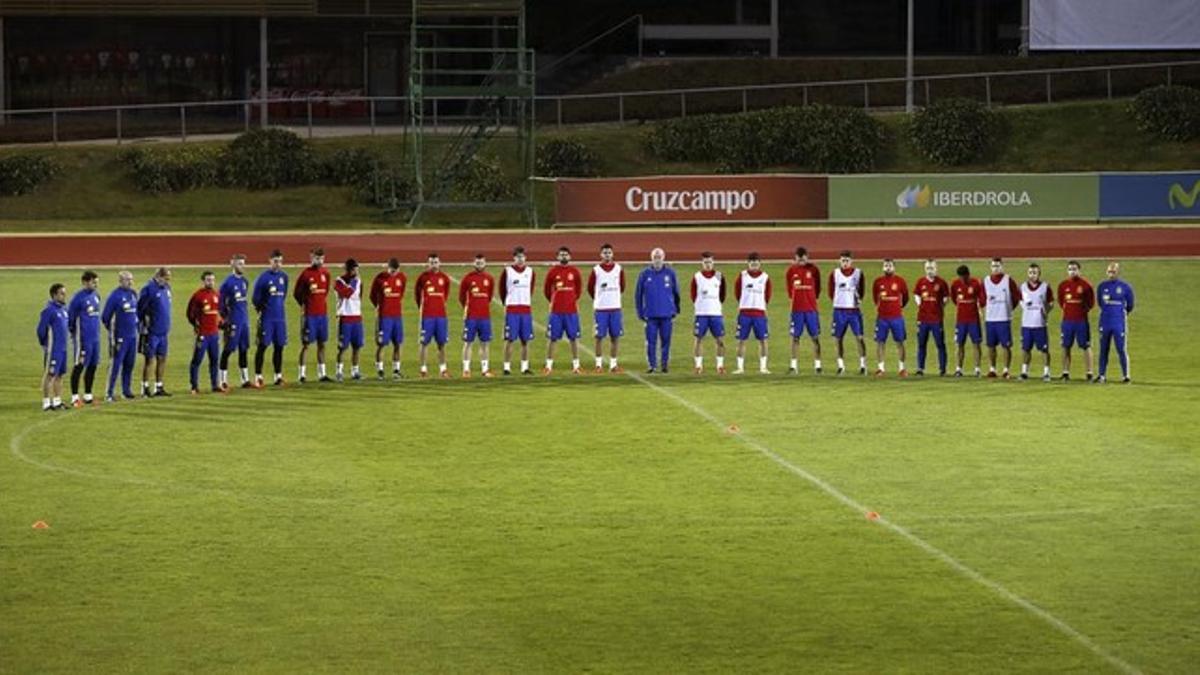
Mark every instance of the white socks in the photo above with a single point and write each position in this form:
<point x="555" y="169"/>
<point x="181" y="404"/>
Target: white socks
<point x="762" y="364"/>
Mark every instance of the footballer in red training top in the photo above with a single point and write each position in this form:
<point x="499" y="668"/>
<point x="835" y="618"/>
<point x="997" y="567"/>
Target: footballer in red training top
<point x="932" y="293"/>
<point x="312" y="293"/>
<point x="804" y="288"/>
<point x="387" y="296"/>
<point x="204" y="313"/>
<point x="969" y="298"/>
<point x="475" y="293"/>
<point x="563" y="288"/>
<point x="431" y="290"/>
<point x="890" y="292"/>
<point x="1076" y="297"/>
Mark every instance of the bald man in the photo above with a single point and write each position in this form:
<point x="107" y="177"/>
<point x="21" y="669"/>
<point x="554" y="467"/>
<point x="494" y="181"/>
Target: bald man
<point x="657" y="299"/>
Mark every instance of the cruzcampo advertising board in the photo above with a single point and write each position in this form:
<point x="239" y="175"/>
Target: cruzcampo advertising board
<point x="964" y="197"/>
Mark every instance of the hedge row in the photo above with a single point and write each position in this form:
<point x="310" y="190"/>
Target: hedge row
<point x="22" y="174"/>
<point x="275" y="158"/>
<point x="820" y="139"/>
<point x="956" y="131"/>
<point x="1169" y="113"/>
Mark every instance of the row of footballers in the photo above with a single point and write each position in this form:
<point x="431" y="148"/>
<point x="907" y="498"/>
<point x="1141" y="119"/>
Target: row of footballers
<point x="140" y="322"/>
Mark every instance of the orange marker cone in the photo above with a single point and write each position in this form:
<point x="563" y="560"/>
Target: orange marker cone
<point x="41" y="525"/>
<point x="733" y="428"/>
<point x="871" y="515"/>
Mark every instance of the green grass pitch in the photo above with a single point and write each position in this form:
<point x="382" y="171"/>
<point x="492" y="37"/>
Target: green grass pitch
<point x="598" y="523"/>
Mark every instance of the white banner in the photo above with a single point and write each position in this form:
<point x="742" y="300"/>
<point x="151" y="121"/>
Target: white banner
<point x="1114" y="24"/>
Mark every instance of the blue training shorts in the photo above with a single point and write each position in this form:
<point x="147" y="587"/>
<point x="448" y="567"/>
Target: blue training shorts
<point x="805" y="321"/>
<point x="477" y="328"/>
<point x="1076" y="333"/>
<point x="847" y="318"/>
<point x="999" y="333"/>
<point x="563" y="324"/>
<point x="518" y="327"/>
<point x="752" y="324"/>
<point x="609" y="324"/>
<point x="713" y="325"/>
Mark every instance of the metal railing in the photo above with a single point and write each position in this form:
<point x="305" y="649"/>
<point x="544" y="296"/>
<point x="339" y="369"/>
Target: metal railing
<point x="376" y="114"/>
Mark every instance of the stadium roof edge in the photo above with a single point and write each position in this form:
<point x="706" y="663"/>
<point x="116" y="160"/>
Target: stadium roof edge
<point x="282" y="8"/>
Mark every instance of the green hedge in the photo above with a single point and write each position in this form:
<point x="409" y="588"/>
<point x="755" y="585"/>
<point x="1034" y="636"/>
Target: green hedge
<point x="956" y="131"/>
<point x="22" y="174"/>
<point x="817" y="138"/>
<point x="566" y="157"/>
<point x="484" y="181"/>
<point x="175" y="169"/>
<point x="1171" y="113"/>
<point x="264" y="159"/>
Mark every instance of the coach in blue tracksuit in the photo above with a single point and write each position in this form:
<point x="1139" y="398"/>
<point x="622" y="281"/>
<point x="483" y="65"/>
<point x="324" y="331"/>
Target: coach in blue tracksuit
<point x="52" y="336"/>
<point x="83" y="322"/>
<point x="120" y="317"/>
<point x="1115" y="298"/>
<point x="270" y="299"/>
<point x="657" y="298"/>
<point x="154" y="312"/>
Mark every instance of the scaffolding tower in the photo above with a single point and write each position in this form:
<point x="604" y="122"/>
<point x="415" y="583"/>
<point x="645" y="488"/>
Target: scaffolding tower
<point x="471" y="86"/>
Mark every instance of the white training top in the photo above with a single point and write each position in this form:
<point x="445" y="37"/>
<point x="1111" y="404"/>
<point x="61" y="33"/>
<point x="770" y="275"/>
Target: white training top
<point x="845" y="289"/>
<point x="708" y="294"/>
<point x="754" y="291"/>
<point x="517" y="291"/>
<point x="608" y="288"/>
<point x="1034" y="303"/>
<point x="351" y="306"/>
<point x="999" y="299"/>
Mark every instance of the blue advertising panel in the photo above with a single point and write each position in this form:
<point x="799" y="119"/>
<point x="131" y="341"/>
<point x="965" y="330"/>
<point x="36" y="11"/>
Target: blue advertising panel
<point x="1150" y="195"/>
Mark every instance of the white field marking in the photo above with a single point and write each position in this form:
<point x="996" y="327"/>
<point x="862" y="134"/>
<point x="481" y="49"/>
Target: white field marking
<point x="950" y="561"/>
<point x="1051" y="514"/>
<point x="14" y="446"/>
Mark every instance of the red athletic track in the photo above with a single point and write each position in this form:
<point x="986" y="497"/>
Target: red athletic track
<point x="680" y="244"/>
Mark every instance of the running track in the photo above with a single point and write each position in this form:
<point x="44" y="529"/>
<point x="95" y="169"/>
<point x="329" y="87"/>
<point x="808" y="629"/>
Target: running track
<point x="680" y="244"/>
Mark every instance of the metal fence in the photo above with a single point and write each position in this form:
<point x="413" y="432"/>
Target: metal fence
<point x="362" y="115"/>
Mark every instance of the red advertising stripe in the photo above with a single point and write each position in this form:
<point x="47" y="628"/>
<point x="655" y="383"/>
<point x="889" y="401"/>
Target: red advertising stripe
<point x="691" y="199"/>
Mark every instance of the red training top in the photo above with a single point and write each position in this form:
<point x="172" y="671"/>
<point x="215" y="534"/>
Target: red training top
<point x="891" y="295"/>
<point x="475" y="292"/>
<point x="387" y="294"/>
<point x="804" y="287"/>
<point x="1076" y="298"/>
<point x="968" y="299"/>
<point x="932" y="295"/>
<point x="204" y="311"/>
<point x="312" y="288"/>
<point x="431" y="290"/>
<point x="563" y="287"/>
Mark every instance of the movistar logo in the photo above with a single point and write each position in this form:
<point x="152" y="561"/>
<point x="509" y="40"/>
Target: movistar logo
<point x="1179" y="198"/>
<point x="915" y="197"/>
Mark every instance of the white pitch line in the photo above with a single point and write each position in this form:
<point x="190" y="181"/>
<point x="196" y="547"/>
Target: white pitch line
<point x="1050" y="513"/>
<point x="15" y="443"/>
<point x="933" y="551"/>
